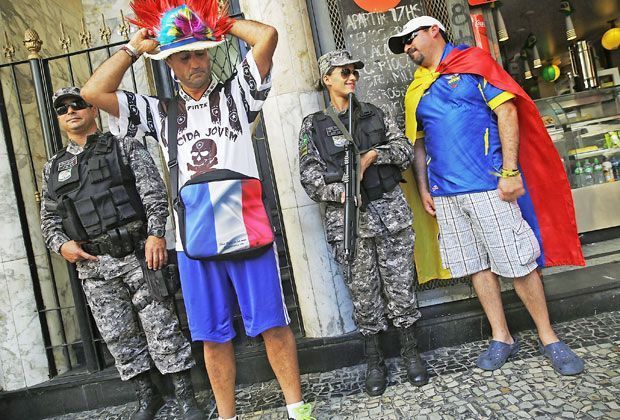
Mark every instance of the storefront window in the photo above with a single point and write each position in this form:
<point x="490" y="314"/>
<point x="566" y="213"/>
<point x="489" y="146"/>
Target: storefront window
<point x="557" y="56"/>
<point x="584" y="127"/>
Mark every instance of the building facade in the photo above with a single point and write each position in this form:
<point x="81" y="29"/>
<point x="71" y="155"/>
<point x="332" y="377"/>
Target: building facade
<point x="44" y="328"/>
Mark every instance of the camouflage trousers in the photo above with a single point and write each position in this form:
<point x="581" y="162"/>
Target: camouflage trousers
<point x="137" y="329"/>
<point x="381" y="281"/>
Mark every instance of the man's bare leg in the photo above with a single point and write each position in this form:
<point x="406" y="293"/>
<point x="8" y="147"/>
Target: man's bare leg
<point x="531" y="292"/>
<point x="487" y="288"/>
<point x="220" y="364"/>
<point x="282" y="355"/>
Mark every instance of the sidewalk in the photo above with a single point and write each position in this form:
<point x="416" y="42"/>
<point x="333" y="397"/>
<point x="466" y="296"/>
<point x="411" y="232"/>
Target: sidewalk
<point x="526" y="387"/>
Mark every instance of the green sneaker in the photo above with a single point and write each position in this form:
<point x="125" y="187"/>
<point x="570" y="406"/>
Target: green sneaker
<point x="303" y="412"/>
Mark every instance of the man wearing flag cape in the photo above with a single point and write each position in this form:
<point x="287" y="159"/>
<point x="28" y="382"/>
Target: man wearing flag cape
<point x="213" y="133"/>
<point x="488" y="184"/>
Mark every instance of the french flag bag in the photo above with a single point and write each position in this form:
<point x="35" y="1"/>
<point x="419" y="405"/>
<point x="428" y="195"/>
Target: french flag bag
<point x="221" y="213"/>
<point x="221" y="216"/>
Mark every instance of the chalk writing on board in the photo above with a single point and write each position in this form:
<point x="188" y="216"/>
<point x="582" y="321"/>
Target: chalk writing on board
<point x="386" y="76"/>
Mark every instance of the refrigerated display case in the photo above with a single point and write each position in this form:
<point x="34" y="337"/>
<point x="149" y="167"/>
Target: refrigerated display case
<point x="585" y="128"/>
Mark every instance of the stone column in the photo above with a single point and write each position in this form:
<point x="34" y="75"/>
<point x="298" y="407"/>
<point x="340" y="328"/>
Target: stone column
<point x="323" y="298"/>
<point x="22" y="350"/>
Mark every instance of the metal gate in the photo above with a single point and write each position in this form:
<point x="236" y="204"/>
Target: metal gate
<point x="72" y="342"/>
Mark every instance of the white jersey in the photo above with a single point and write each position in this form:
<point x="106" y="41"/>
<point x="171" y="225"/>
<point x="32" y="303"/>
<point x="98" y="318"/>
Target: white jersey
<point x="213" y="131"/>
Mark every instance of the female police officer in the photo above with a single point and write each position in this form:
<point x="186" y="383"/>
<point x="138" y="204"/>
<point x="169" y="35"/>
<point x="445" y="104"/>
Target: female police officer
<point x="381" y="273"/>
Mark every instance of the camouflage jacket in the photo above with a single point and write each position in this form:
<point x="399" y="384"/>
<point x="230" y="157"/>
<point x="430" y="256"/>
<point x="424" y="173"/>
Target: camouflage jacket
<point x="388" y="214"/>
<point x="149" y="184"/>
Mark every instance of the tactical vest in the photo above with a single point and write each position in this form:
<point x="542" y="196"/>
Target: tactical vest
<point x="369" y="131"/>
<point x="95" y="191"/>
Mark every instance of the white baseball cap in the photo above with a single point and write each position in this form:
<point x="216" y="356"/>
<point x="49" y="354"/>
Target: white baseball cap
<point x="396" y="42"/>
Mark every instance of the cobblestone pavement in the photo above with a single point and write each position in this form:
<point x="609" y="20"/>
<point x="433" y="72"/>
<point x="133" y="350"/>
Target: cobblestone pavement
<point x="526" y="387"/>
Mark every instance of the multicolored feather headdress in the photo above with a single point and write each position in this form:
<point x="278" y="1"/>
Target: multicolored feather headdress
<point x="182" y="25"/>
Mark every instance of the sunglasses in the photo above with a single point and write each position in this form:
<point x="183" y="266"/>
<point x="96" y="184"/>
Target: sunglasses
<point x="76" y="105"/>
<point x="346" y="72"/>
<point x="413" y="35"/>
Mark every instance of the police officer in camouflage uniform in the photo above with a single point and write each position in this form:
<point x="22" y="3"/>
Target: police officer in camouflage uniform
<point x="103" y="201"/>
<point x="381" y="283"/>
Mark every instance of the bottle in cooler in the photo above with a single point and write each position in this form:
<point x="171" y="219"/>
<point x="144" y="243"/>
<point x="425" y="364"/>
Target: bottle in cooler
<point x="615" y="163"/>
<point x="597" y="172"/>
<point x="588" y="176"/>
<point x="608" y="171"/>
<point x="578" y="176"/>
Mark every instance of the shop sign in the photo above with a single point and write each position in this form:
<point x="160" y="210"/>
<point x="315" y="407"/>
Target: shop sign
<point x="377" y="5"/>
<point x="480" y="31"/>
<point x="480" y="2"/>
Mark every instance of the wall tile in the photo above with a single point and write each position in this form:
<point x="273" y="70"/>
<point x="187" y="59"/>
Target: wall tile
<point x="31" y="349"/>
<point x="4" y="321"/>
<point x="32" y="208"/>
<point x="324" y="300"/>
<point x="13" y="374"/>
<point x="11" y="245"/>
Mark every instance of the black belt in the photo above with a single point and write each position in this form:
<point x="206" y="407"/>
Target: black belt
<point x="118" y="242"/>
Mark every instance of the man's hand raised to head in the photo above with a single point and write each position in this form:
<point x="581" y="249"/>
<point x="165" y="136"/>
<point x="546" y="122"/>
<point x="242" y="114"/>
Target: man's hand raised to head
<point x="73" y="252"/>
<point x="144" y="41"/>
<point x="100" y="89"/>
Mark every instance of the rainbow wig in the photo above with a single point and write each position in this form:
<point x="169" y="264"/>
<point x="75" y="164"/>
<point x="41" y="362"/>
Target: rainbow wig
<point x="181" y="25"/>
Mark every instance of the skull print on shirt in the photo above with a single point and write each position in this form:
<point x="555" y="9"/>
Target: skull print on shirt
<point x="204" y="157"/>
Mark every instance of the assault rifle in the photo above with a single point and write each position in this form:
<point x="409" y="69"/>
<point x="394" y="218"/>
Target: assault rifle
<point x="351" y="181"/>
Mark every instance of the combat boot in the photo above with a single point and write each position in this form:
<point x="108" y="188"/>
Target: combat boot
<point x="184" y="391"/>
<point x="416" y="371"/>
<point x="149" y="400"/>
<point x="376" y="373"/>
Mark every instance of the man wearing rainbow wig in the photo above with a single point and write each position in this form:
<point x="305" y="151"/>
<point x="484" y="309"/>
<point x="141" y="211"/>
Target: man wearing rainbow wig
<point x="491" y="185"/>
<point x="213" y="133"/>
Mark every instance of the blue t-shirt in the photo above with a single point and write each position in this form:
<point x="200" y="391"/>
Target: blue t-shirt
<point x="455" y="117"/>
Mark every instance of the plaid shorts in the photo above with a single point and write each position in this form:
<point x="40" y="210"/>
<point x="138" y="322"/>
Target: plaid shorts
<point x="478" y="231"/>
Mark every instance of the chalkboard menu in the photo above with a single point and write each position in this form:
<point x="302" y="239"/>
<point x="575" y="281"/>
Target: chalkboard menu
<point x="386" y="76"/>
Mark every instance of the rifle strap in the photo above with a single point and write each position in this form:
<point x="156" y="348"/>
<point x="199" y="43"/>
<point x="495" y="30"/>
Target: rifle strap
<point x="173" y="128"/>
<point x="347" y="135"/>
<point x="356" y="153"/>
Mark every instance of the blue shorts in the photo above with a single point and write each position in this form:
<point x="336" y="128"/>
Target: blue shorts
<point x="212" y="289"/>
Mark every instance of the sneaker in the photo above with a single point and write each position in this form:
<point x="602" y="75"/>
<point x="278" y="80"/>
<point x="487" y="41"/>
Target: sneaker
<point x="496" y="355"/>
<point x="303" y="412"/>
<point x="563" y="360"/>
